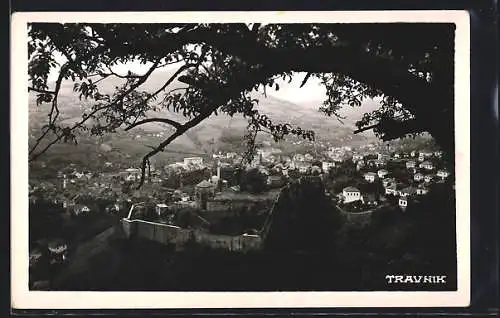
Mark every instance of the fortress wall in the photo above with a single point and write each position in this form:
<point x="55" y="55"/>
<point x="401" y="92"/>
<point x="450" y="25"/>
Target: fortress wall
<point x="145" y="230"/>
<point x="168" y="234"/>
<point x="214" y="240"/>
<point x="129" y="227"/>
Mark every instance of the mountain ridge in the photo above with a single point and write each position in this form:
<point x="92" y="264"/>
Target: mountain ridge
<point x="305" y="115"/>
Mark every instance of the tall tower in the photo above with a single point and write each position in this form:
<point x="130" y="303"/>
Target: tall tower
<point x="65" y="182"/>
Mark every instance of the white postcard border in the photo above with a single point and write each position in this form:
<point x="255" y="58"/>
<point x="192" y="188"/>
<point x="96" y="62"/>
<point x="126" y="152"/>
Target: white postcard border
<point x="22" y="298"/>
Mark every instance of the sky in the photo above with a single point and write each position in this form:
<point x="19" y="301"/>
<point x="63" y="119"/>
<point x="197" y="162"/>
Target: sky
<point x="311" y="91"/>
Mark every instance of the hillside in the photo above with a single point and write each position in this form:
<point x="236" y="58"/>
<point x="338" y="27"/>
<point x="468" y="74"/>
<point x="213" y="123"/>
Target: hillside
<point x="207" y="134"/>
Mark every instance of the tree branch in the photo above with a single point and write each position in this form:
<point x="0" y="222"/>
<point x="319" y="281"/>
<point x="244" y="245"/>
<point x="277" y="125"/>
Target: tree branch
<point x="304" y="81"/>
<point x="128" y="76"/>
<point x="32" y="89"/>
<point x="173" y="123"/>
<point x="394" y="128"/>
<point x="174" y="76"/>
<point x="81" y="122"/>
<point x="170" y="80"/>
<point x="54" y="108"/>
<point x="181" y="130"/>
<point x="360" y="130"/>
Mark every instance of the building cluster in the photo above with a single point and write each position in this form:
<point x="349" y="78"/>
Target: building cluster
<point x="271" y="162"/>
<point x="422" y="170"/>
<point x="215" y="194"/>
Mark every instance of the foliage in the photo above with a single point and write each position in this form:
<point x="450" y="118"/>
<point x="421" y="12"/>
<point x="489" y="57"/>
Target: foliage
<point x="371" y="187"/>
<point x="253" y="181"/>
<point x="297" y="225"/>
<point x="408" y="66"/>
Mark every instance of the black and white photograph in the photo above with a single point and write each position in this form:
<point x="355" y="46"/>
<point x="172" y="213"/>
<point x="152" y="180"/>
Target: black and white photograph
<point x="279" y="153"/>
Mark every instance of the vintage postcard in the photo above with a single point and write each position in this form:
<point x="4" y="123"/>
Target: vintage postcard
<point x="240" y="159"/>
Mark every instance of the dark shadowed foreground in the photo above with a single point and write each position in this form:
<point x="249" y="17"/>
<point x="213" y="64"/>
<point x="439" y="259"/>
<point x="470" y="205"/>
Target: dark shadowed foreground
<point x="322" y="251"/>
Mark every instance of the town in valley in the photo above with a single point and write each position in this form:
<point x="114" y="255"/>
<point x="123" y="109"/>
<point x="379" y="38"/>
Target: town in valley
<point x="241" y="156"/>
<point x="217" y="200"/>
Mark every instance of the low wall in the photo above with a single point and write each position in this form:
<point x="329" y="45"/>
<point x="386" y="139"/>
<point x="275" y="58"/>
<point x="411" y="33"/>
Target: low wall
<point x="363" y="217"/>
<point x="127" y="227"/>
<point x="360" y="217"/>
<point x="169" y="234"/>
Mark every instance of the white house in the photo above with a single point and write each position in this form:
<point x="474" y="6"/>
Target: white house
<point x="382" y="173"/>
<point x="410" y="164"/>
<point x="326" y="165"/>
<point x="418" y="177"/>
<point x="391" y="189"/>
<point x="427" y="165"/>
<point x="408" y="192"/>
<point x="357" y="157"/>
<point x="370" y="176"/>
<point x="308" y="157"/>
<point x="413" y="153"/>
<point x="443" y="174"/>
<point x="193" y="161"/>
<point x="428" y="178"/>
<point x="161" y="208"/>
<point x="351" y="194"/>
<point x="403" y="202"/>
<point x="422" y="190"/>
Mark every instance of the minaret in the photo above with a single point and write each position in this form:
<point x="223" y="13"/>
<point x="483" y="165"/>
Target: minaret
<point x="65" y="182"/>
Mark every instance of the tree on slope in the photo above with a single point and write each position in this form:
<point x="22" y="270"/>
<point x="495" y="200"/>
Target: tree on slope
<point x="408" y="66"/>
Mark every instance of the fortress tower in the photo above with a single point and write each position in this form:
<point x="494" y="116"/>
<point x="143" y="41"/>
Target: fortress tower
<point x="203" y="191"/>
